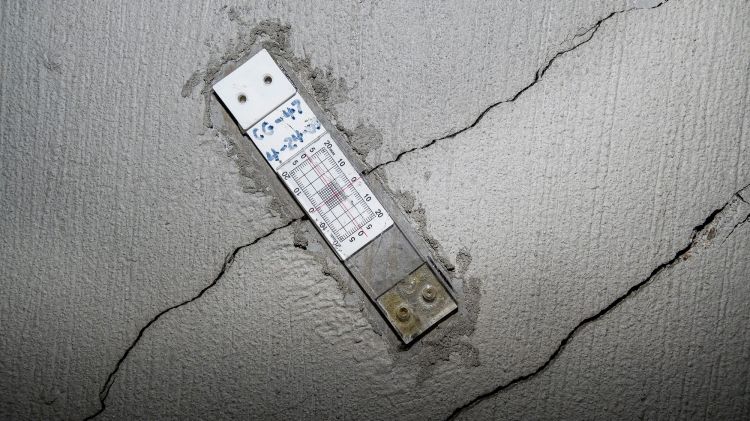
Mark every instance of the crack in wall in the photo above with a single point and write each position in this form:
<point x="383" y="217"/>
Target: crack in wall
<point x="680" y="255"/>
<point x="587" y="35"/>
<point x="737" y="225"/>
<point x="228" y="261"/>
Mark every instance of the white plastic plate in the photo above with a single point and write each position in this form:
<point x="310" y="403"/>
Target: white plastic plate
<point x="254" y="89"/>
<point x="335" y="197"/>
<point x="297" y="146"/>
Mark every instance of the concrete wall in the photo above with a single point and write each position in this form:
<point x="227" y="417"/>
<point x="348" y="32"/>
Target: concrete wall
<point x="581" y="168"/>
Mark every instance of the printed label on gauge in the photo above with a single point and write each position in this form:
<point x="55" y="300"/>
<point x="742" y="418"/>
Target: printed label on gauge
<point x="335" y="197"/>
<point x="285" y="130"/>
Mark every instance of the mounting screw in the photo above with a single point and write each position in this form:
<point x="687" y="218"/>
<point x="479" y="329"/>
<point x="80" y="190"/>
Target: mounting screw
<point x="403" y="313"/>
<point x="428" y="293"/>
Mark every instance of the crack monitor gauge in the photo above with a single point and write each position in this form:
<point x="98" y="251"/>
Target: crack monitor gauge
<point x="382" y="252"/>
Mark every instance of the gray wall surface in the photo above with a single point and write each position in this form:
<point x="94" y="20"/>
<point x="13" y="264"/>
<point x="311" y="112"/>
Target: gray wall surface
<point x="581" y="169"/>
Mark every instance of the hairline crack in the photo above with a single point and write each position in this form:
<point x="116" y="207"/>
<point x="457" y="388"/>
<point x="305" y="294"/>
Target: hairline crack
<point x="680" y="254"/>
<point x="228" y="261"/>
<point x="587" y="35"/>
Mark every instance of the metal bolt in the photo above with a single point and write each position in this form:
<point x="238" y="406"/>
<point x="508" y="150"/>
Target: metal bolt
<point x="428" y="293"/>
<point x="403" y="313"/>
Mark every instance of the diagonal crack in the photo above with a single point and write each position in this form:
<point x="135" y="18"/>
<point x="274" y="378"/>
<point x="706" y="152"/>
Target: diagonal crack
<point x="737" y="225"/>
<point x="586" y="35"/>
<point x="228" y="261"/>
<point x="681" y="254"/>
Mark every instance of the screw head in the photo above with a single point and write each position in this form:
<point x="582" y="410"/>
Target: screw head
<point x="429" y="294"/>
<point x="403" y="313"/>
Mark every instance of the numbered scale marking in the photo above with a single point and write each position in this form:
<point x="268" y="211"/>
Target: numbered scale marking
<point x="335" y="196"/>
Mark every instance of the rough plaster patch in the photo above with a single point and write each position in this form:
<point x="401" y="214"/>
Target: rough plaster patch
<point x="327" y="89"/>
<point x="417" y="216"/>
<point x="52" y="62"/>
<point x="276" y="38"/>
<point x="463" y="260"/>
<point x="300" y="239"/>
<point x="253" y="175"/>
<point x="452" y="337"/>
<point x="363" y="139"/>
<point x="406" y="200"/>
<point x="307" y="238"/>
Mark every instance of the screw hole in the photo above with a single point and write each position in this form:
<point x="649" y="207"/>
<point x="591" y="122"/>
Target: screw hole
<point x="403" y="313"/>
<point x="267" y="79"/>
<point x="242" y="98"/>
<point x="429" y="294"/>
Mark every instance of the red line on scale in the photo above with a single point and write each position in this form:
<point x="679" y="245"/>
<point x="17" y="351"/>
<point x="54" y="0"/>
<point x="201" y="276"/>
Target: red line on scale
<point x="349" y="184"/>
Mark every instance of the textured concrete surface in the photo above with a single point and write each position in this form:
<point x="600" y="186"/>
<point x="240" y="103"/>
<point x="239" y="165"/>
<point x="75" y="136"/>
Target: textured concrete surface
<point x="580" y="168"/>
<point x="679" y="349"/>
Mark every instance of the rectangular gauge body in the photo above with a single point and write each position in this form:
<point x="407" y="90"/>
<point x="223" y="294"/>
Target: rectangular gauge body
<point x="399" y="277"/>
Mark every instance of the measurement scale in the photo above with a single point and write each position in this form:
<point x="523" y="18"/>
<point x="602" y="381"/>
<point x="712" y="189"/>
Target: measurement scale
<point x="346" y="212"/>
<point x="396" y="274"/>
